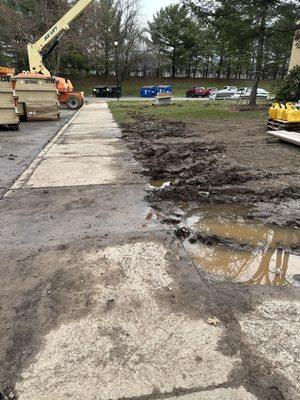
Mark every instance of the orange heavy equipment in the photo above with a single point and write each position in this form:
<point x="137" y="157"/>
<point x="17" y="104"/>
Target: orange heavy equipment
<point x="67" y="96"/>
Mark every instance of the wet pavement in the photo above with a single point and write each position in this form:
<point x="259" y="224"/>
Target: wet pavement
<point x="19" y="148"/>
<point x="99" y="300"/>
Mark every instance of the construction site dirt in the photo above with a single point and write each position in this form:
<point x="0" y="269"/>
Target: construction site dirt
<point x="227" y="186"/>
<point x="217" y="162"/>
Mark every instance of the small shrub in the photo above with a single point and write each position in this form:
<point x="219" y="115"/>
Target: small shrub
<point x="289" y="88"/>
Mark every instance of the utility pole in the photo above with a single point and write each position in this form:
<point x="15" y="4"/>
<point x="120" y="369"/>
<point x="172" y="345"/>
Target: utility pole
<point x="117" y="68"/>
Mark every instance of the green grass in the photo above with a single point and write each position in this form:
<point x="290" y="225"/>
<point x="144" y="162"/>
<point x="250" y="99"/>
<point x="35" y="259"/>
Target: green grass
<point x="132" y="86"/>
<point x="181" y="110"/>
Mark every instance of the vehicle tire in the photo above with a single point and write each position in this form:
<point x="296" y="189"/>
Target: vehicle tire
<point x="74" y="103"/>
<point x="13" y="127"/>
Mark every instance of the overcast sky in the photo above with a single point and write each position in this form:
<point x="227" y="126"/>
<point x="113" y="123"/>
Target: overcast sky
<point x="151" y="6"/>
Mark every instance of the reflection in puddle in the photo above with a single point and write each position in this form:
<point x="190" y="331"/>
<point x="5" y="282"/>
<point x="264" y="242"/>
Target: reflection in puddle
<point x="266" y="264"/>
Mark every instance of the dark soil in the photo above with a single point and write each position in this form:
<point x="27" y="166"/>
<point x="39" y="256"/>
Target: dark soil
<point x="218" y="161"/>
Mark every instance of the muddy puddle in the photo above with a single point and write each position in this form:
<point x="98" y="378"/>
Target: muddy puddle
<point x="227" y="244"/>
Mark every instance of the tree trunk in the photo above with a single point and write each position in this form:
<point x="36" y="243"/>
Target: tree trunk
<point x="228" y="69"/>
<point x="207" y="68"/>
<point x="240" y="71"/>
<point x="284" y="68"/>
<point x="220" y="67"/>
<point x="174" y="63"/>
<point x="275" y="72"/>
<point x="195" y="70"/>
<point x="106" y="59"/>
<point x="259" y="59"/>
<point x="189" y="67"/>
<point x="204" y="69"/>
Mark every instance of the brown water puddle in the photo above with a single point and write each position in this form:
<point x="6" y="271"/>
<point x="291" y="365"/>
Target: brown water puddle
<point x="266" y="263"/>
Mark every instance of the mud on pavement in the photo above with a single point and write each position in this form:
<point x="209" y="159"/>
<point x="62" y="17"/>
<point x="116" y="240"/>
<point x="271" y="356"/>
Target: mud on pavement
<point x="231" y="163"/>
<point x="99" y="302"/>
<point x="90" y="304"/>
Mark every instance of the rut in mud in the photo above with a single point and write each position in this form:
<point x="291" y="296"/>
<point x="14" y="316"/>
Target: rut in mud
<point x="220" y="161"/>
<point x="231" y="164"/>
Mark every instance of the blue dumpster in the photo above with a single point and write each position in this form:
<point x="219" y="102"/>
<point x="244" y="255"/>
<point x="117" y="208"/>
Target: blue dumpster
<point x="163" y="89"/>
<point x="148" y="91"/>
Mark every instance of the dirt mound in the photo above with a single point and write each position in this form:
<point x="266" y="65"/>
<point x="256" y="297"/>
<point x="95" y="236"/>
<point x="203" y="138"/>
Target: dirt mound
<point x="215" y="161"/>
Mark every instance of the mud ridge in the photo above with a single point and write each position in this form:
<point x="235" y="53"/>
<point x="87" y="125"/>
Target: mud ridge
<point x="216" y="162"/>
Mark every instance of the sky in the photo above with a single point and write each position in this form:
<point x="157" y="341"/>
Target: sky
<point x="151" y="6"/>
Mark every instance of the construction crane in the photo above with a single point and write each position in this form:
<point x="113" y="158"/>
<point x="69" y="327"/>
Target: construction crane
<point x="38" y="52"/>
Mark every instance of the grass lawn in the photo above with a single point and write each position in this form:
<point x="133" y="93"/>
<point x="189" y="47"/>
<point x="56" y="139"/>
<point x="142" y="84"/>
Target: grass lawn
<point x="132" y="86"/>
<point x="181" y="110"/>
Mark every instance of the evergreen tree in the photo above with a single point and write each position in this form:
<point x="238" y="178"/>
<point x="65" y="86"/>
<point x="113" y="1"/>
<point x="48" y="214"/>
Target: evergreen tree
<point x="170" y="30"/>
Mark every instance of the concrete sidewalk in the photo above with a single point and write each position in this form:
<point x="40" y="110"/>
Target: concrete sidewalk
<point x="99" y="302"/>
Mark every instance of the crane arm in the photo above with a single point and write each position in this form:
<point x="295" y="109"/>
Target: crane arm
<point x="35" y="50"/>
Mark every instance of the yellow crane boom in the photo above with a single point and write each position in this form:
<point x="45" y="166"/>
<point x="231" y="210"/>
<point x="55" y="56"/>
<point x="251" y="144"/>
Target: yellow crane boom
<point x="35" y="50"/>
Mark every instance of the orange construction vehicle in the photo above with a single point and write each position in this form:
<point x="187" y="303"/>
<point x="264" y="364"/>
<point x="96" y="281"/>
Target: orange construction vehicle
<point x="67" y="96"/>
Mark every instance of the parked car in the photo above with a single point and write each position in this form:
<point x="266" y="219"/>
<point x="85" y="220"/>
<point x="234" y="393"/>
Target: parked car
<point x="231" y="89"/>
<point x="226" y="93"/>
<point x="263" y="93"/>
<point x="212" y="90"/>
<point x="244" y="94"/>
<point x="198" y="91"/>
<point x="244" y="90"/>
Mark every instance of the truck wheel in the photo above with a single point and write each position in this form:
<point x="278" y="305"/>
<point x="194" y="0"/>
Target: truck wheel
<point x="74" y="103"/>
<point x="13" y="127"/>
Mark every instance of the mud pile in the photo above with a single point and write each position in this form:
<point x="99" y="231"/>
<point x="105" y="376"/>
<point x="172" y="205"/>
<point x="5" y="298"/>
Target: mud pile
<point x="217" y="162"/>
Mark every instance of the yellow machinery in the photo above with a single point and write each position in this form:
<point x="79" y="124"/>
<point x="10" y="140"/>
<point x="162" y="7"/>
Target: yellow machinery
<point x="9" y="115"/>
<point x="37" y="55"/>
<point x="35" y="51"/>
<point x="38" y="92"/>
